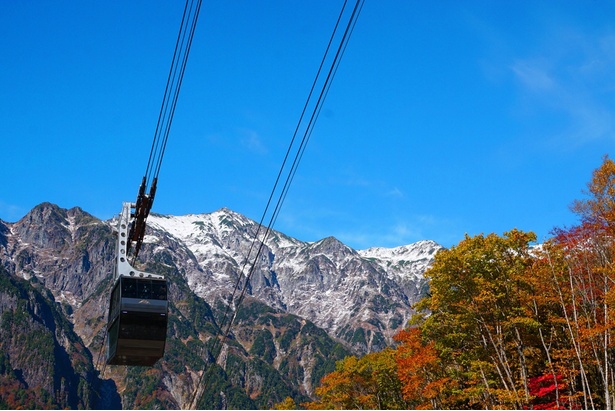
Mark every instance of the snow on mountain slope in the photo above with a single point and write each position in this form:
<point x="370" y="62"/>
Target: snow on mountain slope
<point x="408" y="262"/>
<point x="361" y="297"/>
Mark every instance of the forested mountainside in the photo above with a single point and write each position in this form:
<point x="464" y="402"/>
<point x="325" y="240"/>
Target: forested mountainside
<point x="308" y="305"/>
<point x="43" y="362"/>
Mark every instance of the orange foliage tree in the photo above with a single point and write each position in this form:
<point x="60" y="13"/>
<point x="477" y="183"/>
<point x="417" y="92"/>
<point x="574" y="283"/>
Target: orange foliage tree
<point x="578" y="263"/>
<point x="420" y="371"/>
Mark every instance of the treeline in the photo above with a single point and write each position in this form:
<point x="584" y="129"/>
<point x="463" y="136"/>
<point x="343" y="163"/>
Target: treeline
<point x="507" y="324"/>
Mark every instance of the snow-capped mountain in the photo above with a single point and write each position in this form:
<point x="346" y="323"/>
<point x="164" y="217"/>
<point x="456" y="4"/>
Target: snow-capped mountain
<point x="307" y="305"/>
<point x="361" y="297"/>
<point x="405" y="264"/>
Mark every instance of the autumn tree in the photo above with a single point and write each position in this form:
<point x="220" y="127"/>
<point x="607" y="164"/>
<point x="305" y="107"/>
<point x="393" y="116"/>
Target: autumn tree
<point x="598" y="209"/>
<point x="420" y="371"/>
<point x="551" y="303"/>
<point x="369" y="382"/>
<point x="287" y="404"/>
<point x="546" y="391"/>
<point x="506" y="324"/>
<point x="579" y="261"/>
<point x="479" y="318"/>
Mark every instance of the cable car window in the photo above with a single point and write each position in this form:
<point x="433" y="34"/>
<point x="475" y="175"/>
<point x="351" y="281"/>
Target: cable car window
<point x="129" y="288"/>
<point x="144" y="289"/>
<point x="159" y="290"/>
<point x="114" y="308"/>
<point x="143" y="327"/>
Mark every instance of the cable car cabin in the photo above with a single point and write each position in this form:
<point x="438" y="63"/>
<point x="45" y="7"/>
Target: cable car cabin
<point x="137" y="325"/>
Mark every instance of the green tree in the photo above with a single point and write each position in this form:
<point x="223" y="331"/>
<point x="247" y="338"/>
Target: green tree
<point x="478" y="318"/>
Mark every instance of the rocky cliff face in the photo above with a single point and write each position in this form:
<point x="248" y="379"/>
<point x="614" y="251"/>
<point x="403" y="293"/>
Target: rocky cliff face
<point x="69" y="251"/>
<point x="43" y="363"/>
<point x="359" y="297"/>
<point x="306" y="306"/>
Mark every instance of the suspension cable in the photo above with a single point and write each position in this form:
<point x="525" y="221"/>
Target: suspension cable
<point x="221" y="336"/>
<point x="147" y="190"/>
<point x="171" y="93"/>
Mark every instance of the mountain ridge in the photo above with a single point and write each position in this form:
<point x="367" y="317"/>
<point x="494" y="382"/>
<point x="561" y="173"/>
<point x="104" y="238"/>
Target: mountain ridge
<point x="308" y="304"/>
<point x="294" y="275"/>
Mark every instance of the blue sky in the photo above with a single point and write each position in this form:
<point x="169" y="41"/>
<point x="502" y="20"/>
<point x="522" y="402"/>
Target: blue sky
<point x="445" y="118"/>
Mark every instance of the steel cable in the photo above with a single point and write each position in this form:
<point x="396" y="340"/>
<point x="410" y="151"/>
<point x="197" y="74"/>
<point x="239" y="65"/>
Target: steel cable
<point x="221" y="337"/>
<point x="172" y="89"/>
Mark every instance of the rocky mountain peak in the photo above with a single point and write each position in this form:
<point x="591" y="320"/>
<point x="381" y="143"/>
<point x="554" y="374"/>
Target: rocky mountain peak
<point x="58" y="246"/>
<point x="45" y="225"/>
<point x="303" y="298"/>
<point x="326" y="282"/>
<point x="331" y="246"/>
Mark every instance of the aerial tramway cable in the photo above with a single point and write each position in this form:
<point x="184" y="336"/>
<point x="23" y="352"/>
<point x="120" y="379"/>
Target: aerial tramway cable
<point x="144" y="344"/>
<point x="171" y="94"/>
<point x="147" y="190"/>
<point x="227" y="322"/>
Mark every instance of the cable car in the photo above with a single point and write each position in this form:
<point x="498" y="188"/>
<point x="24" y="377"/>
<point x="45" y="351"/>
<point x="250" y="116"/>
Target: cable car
<point x="138" y="308"/>
<point x="137" y="330"/>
